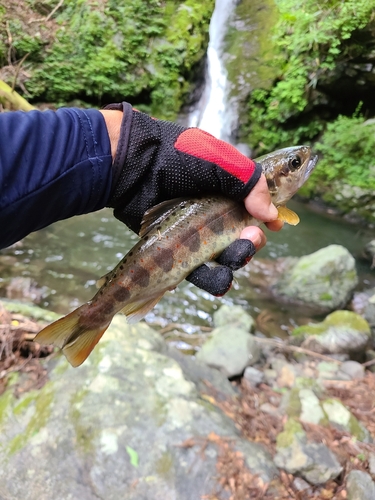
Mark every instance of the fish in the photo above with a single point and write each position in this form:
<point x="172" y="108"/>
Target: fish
<point x="176" y="237"/>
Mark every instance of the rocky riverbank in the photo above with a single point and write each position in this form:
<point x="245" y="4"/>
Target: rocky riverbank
<point x="141" y="420"/>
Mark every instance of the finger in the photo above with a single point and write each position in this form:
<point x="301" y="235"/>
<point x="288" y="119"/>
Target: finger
<point x="237" y="254"/>
<point x="254" y="234"/>
<point x="275" y="225"/>
<point x="214" y="280"/>
<point x="259" y="204"/>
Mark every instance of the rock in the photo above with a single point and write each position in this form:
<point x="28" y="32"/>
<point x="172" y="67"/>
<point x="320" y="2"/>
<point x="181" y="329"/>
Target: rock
<point x="301" y="485"/>
<point x="270" y="409"/>
<point x="340" y="332"/>
<point x="323" y="281"/>
<point x="363" y="303"/>
<point x="327" y="370"/>
<point x="354" y="369"/>
<point x="116" y="427"/>
<point x="360" y="486"/>
<point x="253" y="376"/>
<point x="234" y="316"/>
<point x="287" y="376"/>
<point x="371" y="463"/>
<point x="341" y="418"/>
<point x="370" y="356"/>
<point x="311" y="411"/>
<point x="313" y="461"/>
<point x="230" y="350"/>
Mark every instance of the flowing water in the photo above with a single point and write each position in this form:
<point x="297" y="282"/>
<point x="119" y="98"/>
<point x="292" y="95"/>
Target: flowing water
<point x="214" y="113"/>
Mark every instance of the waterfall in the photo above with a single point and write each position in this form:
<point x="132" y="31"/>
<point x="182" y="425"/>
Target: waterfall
<point x="214" y="113"/>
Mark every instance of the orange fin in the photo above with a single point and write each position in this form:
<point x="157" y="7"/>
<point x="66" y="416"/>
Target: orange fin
<point x="75" y="340"/>
<point x="135" y="311"/>
<point x="287" y="215"/>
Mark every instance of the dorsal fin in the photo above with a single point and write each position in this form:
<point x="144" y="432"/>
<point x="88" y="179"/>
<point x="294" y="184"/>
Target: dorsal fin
<point x="157" y="214"/>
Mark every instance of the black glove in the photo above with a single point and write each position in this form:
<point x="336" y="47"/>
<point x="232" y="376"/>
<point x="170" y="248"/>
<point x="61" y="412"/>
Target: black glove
<point x="158" y="160"/>
<point x="217" y="280"/>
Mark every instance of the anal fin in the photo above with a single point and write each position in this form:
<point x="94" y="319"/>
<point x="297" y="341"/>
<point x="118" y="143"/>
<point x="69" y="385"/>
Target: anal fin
<point x="135" y="311"/>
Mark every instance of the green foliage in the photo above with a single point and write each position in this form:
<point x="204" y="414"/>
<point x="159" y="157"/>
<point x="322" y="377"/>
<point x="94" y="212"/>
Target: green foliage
<point x="309" y="40"/>
<point x="99" y="51"/>
<point x="347" y="152"/>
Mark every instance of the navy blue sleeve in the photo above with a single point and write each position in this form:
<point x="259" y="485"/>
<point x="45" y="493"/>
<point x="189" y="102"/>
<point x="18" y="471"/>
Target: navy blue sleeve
<point x="53" y="165"/>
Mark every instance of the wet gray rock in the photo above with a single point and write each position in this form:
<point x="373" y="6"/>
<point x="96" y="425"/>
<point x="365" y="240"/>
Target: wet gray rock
<point x="253" y="376"/>
<point x="116" y="427"/>
<point x="234" y="316"/>
<point x="314" y="462"/>
<point x="229" y="349"/>
<point x="354" y="369"/>
<point x="360" y="486"/>
<point x="341" y="332"/>
<point x="322" y="281"/>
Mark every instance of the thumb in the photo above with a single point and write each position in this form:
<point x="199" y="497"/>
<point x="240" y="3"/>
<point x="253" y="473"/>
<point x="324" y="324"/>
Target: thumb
<point x="258" y="202"/>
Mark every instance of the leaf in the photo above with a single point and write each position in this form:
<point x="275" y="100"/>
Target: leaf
<point x="133" y="455"/>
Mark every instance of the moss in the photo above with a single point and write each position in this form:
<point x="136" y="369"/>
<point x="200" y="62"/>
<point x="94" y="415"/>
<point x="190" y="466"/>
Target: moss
<point x="105" y="51"/>
<point x="6" y="400"/>
<point x="325" y="296"/>
<point x="25" y="402"/>
<point x="43" y="403"/>
<point x="294" y="404"/>
<point x="292" y="430"/>
<point x="348" y="319"/>
<point x="85" y="436"/>
<point x="356" y="429"/>
<point x="250" y="52"/>
<point x="29" y="310"/>
<point x="164" y="465"/>
<point x="345" y="319"/>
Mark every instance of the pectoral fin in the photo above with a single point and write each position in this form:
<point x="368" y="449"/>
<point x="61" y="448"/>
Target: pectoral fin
<point x="287" y="215"/>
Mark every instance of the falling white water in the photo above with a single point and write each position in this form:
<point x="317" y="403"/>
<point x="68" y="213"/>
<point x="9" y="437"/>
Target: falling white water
<point x="213" y="112"/>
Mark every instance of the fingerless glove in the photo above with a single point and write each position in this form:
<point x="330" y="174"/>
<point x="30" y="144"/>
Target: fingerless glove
<point x="159" y="160"/>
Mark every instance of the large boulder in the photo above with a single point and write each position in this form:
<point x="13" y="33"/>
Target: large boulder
<point x="322" y="281"/>
<point x="129" y="423"/>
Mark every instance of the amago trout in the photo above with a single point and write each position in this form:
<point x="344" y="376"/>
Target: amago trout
<point x="176" y="237"/>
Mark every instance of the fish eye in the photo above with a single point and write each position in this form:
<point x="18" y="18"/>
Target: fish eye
<point x="295" y="162"/>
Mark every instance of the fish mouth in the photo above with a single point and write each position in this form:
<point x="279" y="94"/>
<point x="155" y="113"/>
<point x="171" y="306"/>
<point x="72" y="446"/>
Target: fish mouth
<point x="310" y="167"/>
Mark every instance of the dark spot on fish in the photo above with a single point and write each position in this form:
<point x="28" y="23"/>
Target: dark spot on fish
<point x="237" y="213"/>
<point x="140" y="276"/>
<point x="164" y="259"/>
<point x="121" y="267"/>
<point x="121" y="294"/>
<point x="216" y="224"/>
<point x="130" y="254"/>
<point x="145" y="238"/>
<point x="191" y="239"/>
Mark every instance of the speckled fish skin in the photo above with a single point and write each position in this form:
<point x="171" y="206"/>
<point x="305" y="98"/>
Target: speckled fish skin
<point x="174" y="241"/>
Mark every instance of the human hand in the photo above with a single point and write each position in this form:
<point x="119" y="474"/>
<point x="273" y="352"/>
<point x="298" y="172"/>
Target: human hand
<point x="156" y="160"/>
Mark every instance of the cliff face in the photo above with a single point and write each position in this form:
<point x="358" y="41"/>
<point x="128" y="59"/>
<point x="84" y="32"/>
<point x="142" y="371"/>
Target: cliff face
<point x="102" y="51"/>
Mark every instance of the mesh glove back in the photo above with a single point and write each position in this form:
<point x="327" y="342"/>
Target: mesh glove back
<point x="158" y="160"/>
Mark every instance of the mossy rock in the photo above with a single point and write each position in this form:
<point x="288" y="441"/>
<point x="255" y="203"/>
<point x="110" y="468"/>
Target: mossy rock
<point x="341" y="332"/>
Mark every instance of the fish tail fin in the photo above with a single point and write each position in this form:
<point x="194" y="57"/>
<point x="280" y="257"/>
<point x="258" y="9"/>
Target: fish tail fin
<point x="76" y="341"/>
